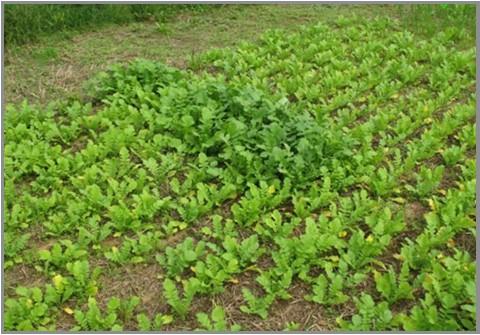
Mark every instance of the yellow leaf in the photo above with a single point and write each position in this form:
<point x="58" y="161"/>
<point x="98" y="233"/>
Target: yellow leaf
<point x="442" y="192"/>
<point x="68" y="310"/>
<point x="399" y="257"/>
<point x="399" y="200"/>
<point x="369" y="239"/>
<point x="271" y="189"/>
<point x="431" y="203"/>
<point x="428" y="120"/>
<point x="253" y="268"/>
<point x="193" y="269"/>
<point x="167" y="319"/>
<point x="114" y="249"/>
<point x="342" y="234"/>
<point x="451" y="243"/>
<point x="58" y="281"/>
<point x="234" y="281"/>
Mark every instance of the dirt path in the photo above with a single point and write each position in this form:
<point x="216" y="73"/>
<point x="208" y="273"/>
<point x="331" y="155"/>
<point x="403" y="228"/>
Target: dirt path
<point x="55" y="68"/>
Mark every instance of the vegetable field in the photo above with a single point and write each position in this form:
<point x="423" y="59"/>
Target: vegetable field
<point x="318" y="180"/>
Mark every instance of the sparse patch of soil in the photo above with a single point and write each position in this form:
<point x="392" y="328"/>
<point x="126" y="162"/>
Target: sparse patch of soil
<point x="22" y="275"/>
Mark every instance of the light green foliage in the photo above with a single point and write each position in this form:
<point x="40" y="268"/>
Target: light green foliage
<point x="159" y="321"/>
<point x="427" y="180"/>
<point x="180" y="303"/>
<point x="256" y="305"/>
<point x="94" y="319"/>
<point x="180" y="258"/>
<point x="60" y="254"/>
<point x="393" y="288"/>
<point x="371" y="316"/>
<point x="214" y="322"/>
<point x="29" y="312"/>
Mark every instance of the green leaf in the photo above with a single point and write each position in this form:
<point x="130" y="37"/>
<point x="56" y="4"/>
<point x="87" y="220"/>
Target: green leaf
<point x="218" y="315"/>
<point x="144" y="323"/>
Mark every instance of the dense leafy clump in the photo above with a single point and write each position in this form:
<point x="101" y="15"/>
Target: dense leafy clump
<point x="331" y="168"/>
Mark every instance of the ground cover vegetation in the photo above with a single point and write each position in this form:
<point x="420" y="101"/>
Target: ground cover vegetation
<point x="315" y="180"/>
<point x="30" y="22"/>
<point x="61" y="56"/>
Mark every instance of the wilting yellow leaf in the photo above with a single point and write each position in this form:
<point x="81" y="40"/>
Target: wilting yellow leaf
<point x="399" y="200"/>
<point x="68" y="310"/>
<point x="399" y="257"/>
<point x="253" y="268"/>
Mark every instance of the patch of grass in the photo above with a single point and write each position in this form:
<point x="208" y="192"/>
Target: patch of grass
<point x="178" y="37"/>
<point x="27" y="23"/>
<point x="45" y="55"/>
<point x="427" y="20"/>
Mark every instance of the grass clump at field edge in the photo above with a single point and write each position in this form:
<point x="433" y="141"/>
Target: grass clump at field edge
<point x="28" y="22"/>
